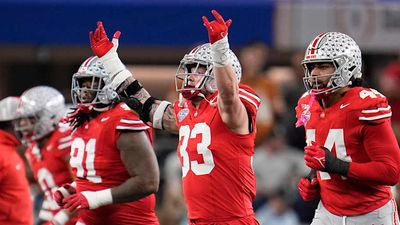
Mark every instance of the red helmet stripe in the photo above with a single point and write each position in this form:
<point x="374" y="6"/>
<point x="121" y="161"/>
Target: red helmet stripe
<point x="316" y="42"/>
<point x="87" y="62"/>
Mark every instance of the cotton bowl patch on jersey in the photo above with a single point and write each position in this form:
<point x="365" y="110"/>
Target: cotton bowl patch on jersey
<point x="182" y="114"/>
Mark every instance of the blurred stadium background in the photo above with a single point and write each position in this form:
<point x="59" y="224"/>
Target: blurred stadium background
<point x="43" y="42"/>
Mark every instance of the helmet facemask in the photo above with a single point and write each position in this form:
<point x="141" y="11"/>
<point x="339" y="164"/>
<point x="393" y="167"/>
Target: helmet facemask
<point x="90" y="86"/>
<point x="30" y="128"/>
<point x="189" y="72"/>
<point x="336" y="81"/>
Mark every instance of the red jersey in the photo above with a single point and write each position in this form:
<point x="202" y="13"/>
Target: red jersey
<point x="344" y="128"/>
<point x="50" y="168"/>
<point x="15" y="198"/>
<point x="96" y="162"/>
<point x="219" y="183"/>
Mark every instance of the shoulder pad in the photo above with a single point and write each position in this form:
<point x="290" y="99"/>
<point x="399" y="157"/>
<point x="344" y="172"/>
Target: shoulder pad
<point x="373" y="106"/>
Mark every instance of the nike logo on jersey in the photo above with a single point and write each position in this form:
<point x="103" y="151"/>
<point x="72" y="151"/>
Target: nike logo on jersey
<point x="344" y="105"/>
<point x="104" y="119"/>
<point x="18" y="166"/>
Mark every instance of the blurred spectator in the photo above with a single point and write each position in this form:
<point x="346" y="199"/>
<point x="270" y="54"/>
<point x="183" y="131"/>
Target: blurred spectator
<point x="15" y="200"/>
<point x="172" y="210"/>
<point x="277" y="211"/>
<point x="390" y="83"/>
<point x="292" y="91"/>
<point x="278" y="167"/>
<point x="254" y="58"/>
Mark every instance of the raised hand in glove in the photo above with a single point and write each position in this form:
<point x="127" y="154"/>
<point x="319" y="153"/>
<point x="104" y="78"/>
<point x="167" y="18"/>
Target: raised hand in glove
<point x="63" y="192"/>
<point x="218" y="28"/>
<point x="308" y="189"/>
<point x="106" y="50"/>
<point x="320" y="158"/>
<point x="99" y="41"/>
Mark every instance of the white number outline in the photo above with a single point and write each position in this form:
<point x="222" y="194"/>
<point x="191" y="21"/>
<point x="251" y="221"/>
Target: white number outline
<point x="335" y="138"/>
<point x="202" y="148"/>
<point x="78" y="145"/>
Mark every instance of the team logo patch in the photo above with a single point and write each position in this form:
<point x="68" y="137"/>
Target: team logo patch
<point x="183" y="114"/>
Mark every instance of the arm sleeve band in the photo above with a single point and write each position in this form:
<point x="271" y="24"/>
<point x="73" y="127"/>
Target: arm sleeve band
<point x="158" y="114"/>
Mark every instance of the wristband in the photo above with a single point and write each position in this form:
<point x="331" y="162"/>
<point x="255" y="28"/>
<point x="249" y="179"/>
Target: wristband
<point x="146" y="109"/>
<point x="158" y="114"/>
<point x="335" y="165"/>
<point x="98" y="198"/>
<point x="220" y="52"/>
<point x="132" y="89"/>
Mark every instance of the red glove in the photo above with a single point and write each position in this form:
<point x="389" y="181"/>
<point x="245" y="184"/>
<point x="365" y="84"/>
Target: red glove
<point x="75" y="202"/>
<point x="320" y="158"/>
<point x="315" y="156"/>
<point x="217" y="29"/>
<point x="99" y="41"/>
<point x="308" y="190"/>
<point x="62" y="192"/>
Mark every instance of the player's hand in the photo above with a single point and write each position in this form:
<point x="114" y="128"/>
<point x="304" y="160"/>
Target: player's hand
<point x="62" y="192"/>
<point x="320" y="158"/>
<point x="75" y="202"/>
<point x="314" y="156"/>
<point x="100" y="43"/>
<point x="106" y="50"/>
<point x="218" y="28"/>
<point x="308" y="189"/>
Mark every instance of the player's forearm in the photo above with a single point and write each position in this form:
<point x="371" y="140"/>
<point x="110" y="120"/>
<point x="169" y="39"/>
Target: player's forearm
<point x="159" y="113"/>
<point x="380" y="172"/>
<point x="134" y="189"/>
<point x="169" y="120"/>
<point x="228" y="88"/>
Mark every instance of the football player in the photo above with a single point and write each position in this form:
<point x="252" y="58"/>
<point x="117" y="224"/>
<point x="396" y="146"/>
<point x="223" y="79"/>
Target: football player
<point x="111" y="156"/>
<point x="350" y="142"/>
<point x="40" y="111"/>
<point x="215" y="119"/>
<point x="15" y="199"/>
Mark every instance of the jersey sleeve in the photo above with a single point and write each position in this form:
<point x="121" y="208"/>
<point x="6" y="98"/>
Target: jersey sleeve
<point x="250" y="99"/>
<point x="374" y="107"/>
<point x="383" y="150"/>
<point x="62" y="142"/>
<point x="129" y="121"/>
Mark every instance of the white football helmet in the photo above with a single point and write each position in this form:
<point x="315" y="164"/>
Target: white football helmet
<point x="41" y="109"/>
<point x="91" y="85"/>
<point x="8" y="108"/>
<point x="340" y="50"/>
<point x="200" y="56"/>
